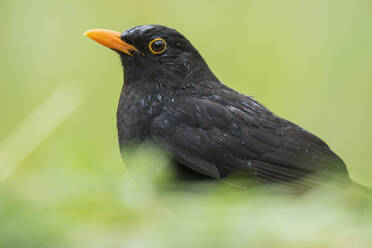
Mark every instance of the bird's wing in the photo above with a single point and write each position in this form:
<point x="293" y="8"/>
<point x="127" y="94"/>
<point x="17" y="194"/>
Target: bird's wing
<point x="216" y="139"/>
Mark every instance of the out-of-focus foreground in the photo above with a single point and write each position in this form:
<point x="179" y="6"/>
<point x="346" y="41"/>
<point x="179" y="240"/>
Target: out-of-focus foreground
<point x="62" y="182"/>
<point x="146" y="209"/>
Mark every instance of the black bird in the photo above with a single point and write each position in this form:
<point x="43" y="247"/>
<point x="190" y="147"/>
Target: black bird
<point x="171" y="97"/>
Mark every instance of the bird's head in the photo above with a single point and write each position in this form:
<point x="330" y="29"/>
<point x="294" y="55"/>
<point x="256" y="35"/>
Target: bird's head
<point x="155" y="53"/>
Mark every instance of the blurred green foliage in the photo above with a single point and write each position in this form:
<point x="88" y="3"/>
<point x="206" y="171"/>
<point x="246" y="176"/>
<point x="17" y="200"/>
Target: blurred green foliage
<point x="62" y="182"/>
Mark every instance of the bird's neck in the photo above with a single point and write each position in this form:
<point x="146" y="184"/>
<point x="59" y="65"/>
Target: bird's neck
<point x="170" y="74"/>
<point x="147" y="90"/>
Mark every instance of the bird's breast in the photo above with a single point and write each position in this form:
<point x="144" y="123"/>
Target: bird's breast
<point x="135" y="114"/>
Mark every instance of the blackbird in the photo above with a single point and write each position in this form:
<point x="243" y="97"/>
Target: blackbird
<point x="172" y="98"/>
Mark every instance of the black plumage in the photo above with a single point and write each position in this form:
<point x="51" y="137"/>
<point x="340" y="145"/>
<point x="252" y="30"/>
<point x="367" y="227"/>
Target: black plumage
<point x="172" y="98"/>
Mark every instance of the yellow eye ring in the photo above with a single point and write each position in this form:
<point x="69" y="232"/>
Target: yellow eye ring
<point x="162" y="46"/>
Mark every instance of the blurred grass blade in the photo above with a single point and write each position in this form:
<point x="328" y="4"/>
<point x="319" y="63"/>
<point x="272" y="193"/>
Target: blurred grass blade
<point x="30" y="133"/>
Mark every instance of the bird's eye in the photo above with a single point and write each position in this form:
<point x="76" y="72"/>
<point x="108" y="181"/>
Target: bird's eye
<point x="157" y="46"/>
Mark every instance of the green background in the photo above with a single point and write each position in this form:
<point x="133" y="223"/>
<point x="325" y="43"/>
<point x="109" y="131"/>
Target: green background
<point x="307" y="61"/>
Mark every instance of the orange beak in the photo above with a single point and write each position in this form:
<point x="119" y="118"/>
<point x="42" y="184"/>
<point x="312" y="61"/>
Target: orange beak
<point x="110" y="39"/>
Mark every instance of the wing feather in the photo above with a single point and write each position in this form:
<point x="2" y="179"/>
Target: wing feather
<point x="218" y="138"/>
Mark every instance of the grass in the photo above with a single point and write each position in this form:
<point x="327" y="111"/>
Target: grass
<point x="146" y="209"/>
